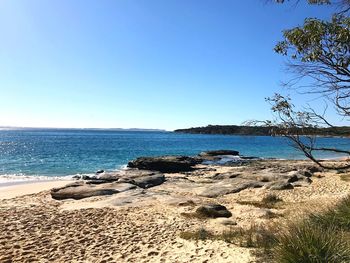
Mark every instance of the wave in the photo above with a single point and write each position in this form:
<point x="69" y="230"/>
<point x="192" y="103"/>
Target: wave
<point x="15" y="178"/>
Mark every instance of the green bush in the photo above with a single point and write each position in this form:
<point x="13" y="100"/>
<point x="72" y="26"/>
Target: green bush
<point x="336" y="217"/>
<point x="308" y="242"/>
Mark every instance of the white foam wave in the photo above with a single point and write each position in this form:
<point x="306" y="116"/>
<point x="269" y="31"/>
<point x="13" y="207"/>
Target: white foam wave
<point x="6" y="179"/>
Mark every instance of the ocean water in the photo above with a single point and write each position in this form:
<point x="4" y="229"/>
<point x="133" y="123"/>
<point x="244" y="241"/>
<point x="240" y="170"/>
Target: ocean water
<point x="53" y="153"/>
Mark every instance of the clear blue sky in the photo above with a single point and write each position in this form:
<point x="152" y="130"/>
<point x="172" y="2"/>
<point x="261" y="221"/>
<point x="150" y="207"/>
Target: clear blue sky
<point x="141" y="63"/>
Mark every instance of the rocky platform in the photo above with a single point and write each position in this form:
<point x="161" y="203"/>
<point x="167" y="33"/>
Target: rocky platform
<point x="191" y="174"/>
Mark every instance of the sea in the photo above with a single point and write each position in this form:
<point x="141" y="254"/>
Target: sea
<point x="42" y="154"/>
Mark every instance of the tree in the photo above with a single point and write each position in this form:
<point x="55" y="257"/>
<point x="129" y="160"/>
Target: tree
<point x="319" y="55"/>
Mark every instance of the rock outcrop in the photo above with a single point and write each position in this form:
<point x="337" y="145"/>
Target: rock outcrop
<point x="203" y="180"/>
<point x="108" y="184"/>
<point x="80" y="190"/>
<point x="165" y="164"/>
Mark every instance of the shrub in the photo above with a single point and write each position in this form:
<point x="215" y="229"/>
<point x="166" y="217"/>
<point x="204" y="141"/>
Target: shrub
<point x="336" y="217"/>
<point x="308" y="242"/>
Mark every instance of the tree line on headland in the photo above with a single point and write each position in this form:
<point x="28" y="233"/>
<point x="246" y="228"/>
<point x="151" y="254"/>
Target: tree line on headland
<point x="264" y="130"/>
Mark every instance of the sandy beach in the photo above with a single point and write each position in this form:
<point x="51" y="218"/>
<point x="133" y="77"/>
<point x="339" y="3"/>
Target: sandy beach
<point x="28" y="188"/>
<point x="146" y="225"/>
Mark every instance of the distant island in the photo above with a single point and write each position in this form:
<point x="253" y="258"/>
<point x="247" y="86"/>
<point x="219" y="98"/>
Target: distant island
<point x="343" y="131"/>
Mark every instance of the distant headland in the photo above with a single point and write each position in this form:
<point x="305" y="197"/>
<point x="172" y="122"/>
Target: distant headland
<point x="343" y="131"/>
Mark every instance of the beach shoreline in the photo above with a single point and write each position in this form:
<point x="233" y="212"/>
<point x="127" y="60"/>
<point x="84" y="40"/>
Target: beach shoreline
<point x="16" y="189"/>
<point x="146" y="224"/>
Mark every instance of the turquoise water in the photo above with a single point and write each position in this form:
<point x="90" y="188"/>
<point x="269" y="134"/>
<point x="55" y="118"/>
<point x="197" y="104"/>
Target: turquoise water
<point x="68" y="152"/>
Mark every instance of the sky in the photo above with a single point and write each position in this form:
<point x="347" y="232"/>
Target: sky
<point x="163" y="64"/>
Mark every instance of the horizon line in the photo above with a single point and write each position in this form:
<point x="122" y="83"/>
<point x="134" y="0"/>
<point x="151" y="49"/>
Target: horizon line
<point x="79" y="128"/>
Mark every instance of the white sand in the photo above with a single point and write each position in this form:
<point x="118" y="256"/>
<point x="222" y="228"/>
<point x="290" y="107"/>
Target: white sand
<point x="8" y="192"/>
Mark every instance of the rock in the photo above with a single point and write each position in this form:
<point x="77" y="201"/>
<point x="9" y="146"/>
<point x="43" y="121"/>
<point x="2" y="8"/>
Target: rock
<point x="303" y="182"/>
<point x="99" y="172"/>
<point x="279" y="185"/>
<point x="165" y="164"/>
<point x="229" y="186"/>
<point x="218" y="153"/>
<point x="82" y="190"/>
<point x="96" y="182"/>
<point x="109" y="177"/>
<point x="221" y="176"/>
<point x="307" y="173"/>
<point x="293" y="178"/>
<point x="315" y="169"/>
<point x="149" y="181"/>
<point x="87" y="177"/>
<point x="134" y="173"/>
<point x="213" y="211"/>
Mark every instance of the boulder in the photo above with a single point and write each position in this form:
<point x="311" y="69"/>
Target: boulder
<point x="82" y="190"/>
<point x="218" y="153"/>
<point x="99" y="172"/>
<point x="109" y="177"/>
<point x="165" y="164"/>
<point x="279" y="185"/>
<point x="307" y="173"/>
<point x="149" y="181"/>
<point x="213" y="211"/>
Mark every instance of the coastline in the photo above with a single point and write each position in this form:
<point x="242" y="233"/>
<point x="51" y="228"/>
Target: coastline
<point x="145" y="225"/>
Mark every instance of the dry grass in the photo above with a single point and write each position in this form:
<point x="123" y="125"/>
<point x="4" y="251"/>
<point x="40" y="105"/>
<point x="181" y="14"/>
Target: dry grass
<point x="319" y="238"/>
<point x="345" y="177"/>
<point x="256" y="236"/>
<point x="269" y="201"/>
<point x="200" y="234"/>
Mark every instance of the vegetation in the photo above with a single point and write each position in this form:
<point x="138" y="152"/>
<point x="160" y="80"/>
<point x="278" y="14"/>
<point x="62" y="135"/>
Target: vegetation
<point x="267" y="130"/>
<point x="256" y="236"/>
<point x="338" y="217"/>
<point x="200" y="234"/>
<point x="308" y="242"/>
<point x="322" y="237"/>
<point x="269" y="201"/>
<point x="319" y="57"/>
<point x="345" y="177"/>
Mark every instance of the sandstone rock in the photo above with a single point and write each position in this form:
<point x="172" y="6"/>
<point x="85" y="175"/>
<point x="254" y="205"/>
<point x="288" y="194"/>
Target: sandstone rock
<point x="221" y="176"/>
<point x="213" y="211"/>
<point x="165" y="164"/>
<point x="149" y="181"/>
<point x="279" y="185"/>
<point x="82" y="190"/>
<point x="109" y="177"/>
